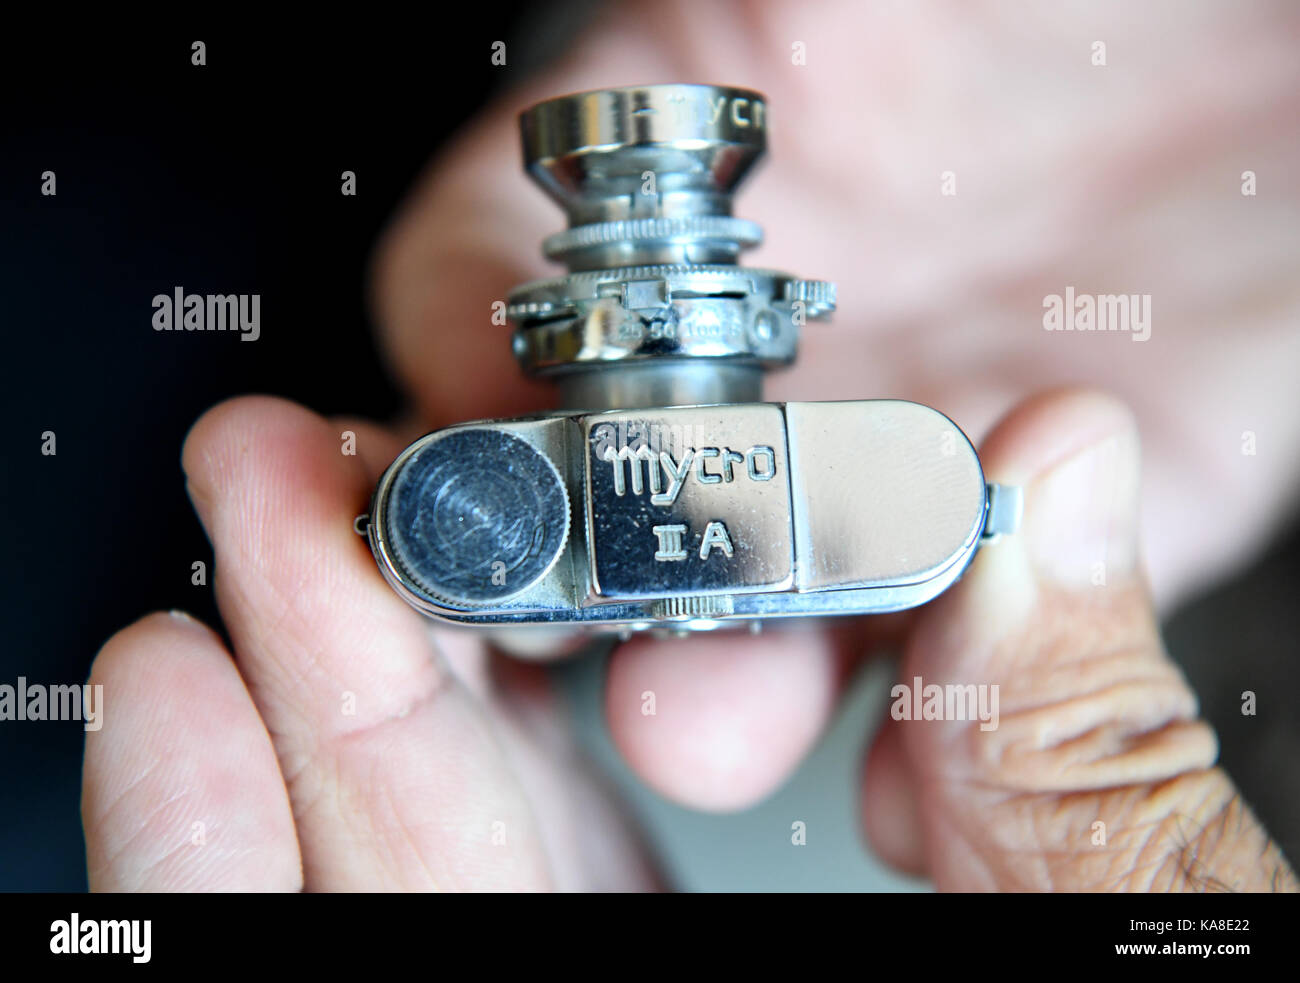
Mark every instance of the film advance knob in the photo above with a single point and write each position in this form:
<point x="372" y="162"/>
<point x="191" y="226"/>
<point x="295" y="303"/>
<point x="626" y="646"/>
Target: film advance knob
<point x="474" y="516"/>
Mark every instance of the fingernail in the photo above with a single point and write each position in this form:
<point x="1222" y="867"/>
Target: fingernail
<point x="185" y="619"/>
<point x="1081" y="517"/>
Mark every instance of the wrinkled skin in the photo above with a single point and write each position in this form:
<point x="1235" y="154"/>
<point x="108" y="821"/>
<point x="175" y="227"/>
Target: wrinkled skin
<point x="454" y="768"/>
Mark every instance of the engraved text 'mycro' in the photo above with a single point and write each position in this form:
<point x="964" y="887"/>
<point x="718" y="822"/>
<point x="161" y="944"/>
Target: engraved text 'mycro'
<point x="665" y="476"/>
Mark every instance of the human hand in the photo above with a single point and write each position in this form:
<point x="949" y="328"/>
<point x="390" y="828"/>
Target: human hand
<point x="348" y="746"/>
<point x="409" y="791"/>
<point x="1096" y="773"/>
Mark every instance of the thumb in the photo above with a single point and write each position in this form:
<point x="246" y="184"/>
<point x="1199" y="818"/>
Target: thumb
<point x="1063" y="748"/>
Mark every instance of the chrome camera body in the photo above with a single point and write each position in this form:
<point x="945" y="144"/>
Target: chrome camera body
<point x="666" y="494"/>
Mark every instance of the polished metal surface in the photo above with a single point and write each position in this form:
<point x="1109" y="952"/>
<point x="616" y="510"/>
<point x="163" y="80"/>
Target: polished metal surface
<point x="475" y="516"/>
<point x="694" y="516"/>
<point x="694" y="500"/>
<point x="857" y="528"/>
<point x="694" y="239"/>
<point x="670" y="314"/>
<point x="645" y="176"/>
<point x="666" y="496"/>
<point x="649" y="383"/>
<point x="590" y="151"/>
<point x="1005" y="509"/>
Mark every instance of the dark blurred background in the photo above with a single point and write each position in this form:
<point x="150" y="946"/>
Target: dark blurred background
<point x="226" y="179"/>
<point x="221" y="179"/>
